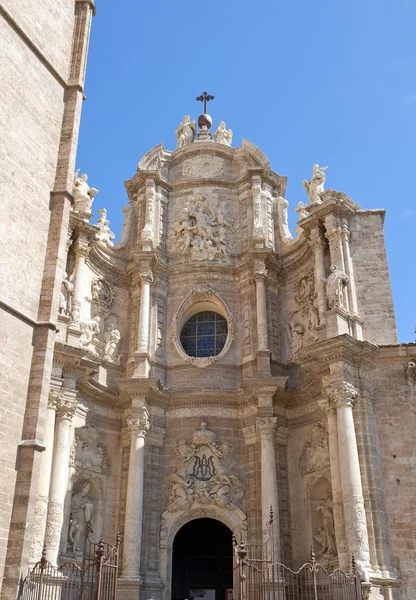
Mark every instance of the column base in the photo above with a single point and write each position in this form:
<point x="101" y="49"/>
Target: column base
<point x="141" y="364"/>
<point x="263" y="362"/>
<point x="129" y="588"/>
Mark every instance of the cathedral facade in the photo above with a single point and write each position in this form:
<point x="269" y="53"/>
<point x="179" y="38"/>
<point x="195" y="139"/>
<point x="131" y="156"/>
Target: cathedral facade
<point x="204" y="371"/>
<point x="211" y="366"/>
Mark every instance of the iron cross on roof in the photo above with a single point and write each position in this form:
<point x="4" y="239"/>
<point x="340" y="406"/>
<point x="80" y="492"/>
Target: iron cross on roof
<point x="204" y="98"/>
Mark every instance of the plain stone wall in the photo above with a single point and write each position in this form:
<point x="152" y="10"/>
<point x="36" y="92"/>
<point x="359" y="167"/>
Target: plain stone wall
<point x="31" y="110"/>
<point x="372" y="279"/>
<point x="395" y="407"/>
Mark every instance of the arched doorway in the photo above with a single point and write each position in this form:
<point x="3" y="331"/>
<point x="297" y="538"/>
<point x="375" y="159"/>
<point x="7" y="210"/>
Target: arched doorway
<point x="202" y="561"/>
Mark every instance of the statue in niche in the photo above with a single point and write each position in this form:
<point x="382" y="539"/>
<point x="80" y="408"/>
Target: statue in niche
<point x="185" y="134"/>
<point x="82" y="508"/>
<point x="112" y="339"/>
<point x="315" y="452"/>
<point x="65" y="296"/>
<point x="315" y="187"/>
<point x="105" y="235"/>
<point x="204" y="230"/>
<point x="335" y="285"/>
<point x="90" y="331"/>
<point x="295" y="336"/>
<point x="325" y="535"/>
<point x="222" y="136"/>
<point x="83" y="193"/>
<point x="202" y="477"/>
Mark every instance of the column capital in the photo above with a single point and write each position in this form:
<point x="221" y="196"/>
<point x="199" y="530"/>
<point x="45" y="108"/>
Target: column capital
<point x="55" y="396"/>
<point x="326" y="405"/>
<point x="267" y="426"/>
<point x="249" y="434"/>
<point x="65" y="408"/>
<point x="146" y="276"/>
<point x="259" y="270"/>
<point x="139" y="425"/>
<point x="342" y="394"/>
<point x="81" y="250"/>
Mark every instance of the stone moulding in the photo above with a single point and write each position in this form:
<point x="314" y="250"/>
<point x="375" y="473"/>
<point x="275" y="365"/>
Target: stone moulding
<point x="198" y="300"/>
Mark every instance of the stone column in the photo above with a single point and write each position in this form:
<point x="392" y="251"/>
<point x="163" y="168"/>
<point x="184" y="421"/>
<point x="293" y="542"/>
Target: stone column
<point x="144" y="321"/>
<point x="260" y="275"/>
<point x="317" y="243"/>
<point x="351" y="290"/>
<point x="81" y="254"/>
<point x="258" y="229"/>
<point x="343" y="396"/>
<point x="133" y="523"/>
<point x="267" y="427"/>
<point x="65" y="410"/>
<point x="41" y="506"/>
<point x="147" y="235"/>
<point x="338" y="510"/>
<point x="141" y="362"/>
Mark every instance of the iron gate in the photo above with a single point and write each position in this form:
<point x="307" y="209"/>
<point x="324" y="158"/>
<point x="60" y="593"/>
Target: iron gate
<point x="261" y="578"/>
<point x="93" y="578"/>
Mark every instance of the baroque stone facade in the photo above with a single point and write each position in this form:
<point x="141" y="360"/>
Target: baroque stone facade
<point x="208" y="365"/>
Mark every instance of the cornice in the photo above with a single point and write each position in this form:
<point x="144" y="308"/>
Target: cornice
<point x="342" y="347"/>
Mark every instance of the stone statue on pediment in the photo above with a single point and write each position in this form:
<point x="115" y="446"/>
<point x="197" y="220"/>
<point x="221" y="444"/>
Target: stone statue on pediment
<point x="315" y="187"/>
<point x="186" y="131"/>
<point x="105" y="235"/>
<point x="83" y="193"/>
<point x="222" y="135"/>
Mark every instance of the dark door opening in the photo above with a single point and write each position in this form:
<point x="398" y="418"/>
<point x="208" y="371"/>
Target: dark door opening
<point x="202" y="562"/>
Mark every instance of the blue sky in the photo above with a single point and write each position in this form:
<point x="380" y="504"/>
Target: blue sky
<point x="326" y="81"/>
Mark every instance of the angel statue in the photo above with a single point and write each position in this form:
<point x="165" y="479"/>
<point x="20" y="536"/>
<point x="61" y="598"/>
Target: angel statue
<point x="83" y="193"/>
<point x="222" y="136"/>
<point x="185" y="134"/>
<point x="315" y="187"/>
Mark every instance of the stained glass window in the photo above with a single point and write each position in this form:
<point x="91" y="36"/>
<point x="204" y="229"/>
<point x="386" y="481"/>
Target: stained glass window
<point x="204" y="334"/>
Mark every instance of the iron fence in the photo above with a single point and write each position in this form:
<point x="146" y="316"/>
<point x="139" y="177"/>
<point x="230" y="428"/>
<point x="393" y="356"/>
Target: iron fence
<point x="260" y="577"/>
<point x="93" y="578"/>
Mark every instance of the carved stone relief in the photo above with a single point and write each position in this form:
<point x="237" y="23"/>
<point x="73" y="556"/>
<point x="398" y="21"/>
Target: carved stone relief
<point x="204" y="231"/>
<point x="315" y="452"/>
<point x="301" y="329"/>
<point x="203" y="475"/>
<point x="102" y="296"/>
<point x="209" y="167"/>
<point x="88" y="453"/>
